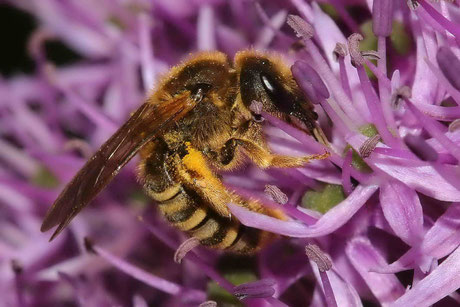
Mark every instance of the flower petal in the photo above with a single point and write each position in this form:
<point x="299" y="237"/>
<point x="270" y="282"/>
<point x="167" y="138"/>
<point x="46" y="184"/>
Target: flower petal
<point x="363" y="256"/>
<point x="403" y="211"/>
<point x="328" y="223"/>
<point x="444" y="280"/>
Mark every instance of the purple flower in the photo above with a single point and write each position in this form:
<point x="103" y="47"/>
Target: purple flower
<point x="377" y="222"/>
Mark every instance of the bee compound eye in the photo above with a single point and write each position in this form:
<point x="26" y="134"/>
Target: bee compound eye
<point x="276" y="92"/>
<point x="268" y="84"/>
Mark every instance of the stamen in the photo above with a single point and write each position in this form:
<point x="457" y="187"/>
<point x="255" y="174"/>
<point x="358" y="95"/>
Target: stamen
<point x="272" y="27"/>
<point x="133" y="271"/>
<point x="339" y="54"/>
<point x="83" y="147"/>
<point x="276" y="194"/>
<point x="302" y="28"/>
<point x="315" y="254"/>
<point x="375" y="109"/>
<point x="454" y="126"/>
<point x="184" y="248"/>
<point x="449" y="65"/>
<point x="310" y="81"/>
<point x="450" y="26"/>
<point x="341" y="98"/>
<point x="93" y="112"/>
<point x="35" y="45"/>
<point x="382" y="17"/>
<point x="324" y="264"/>
<point x="340" y="51"/>
<point x="371" y="54"/>
<point x="400" y="94"/>
<point x="346" y="173"/>
<point x="146" y="51"/>
<point x="257" y="289"/>
<point x="208" y="304"/>
<point x="368" y="146"/>
<point x="420" y="148"/>
<point x="206" y="28"/>
<point x="353" y="47"/>
<point x="200" y="263"/>
<point x="435" y="129"/>
<point x="18" y="160"/>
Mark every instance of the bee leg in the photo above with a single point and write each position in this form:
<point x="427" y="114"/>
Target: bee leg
<point x="263" y="158"/>
<point x="195" y="173"/>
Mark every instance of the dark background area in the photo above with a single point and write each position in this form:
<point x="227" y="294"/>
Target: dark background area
<point x="16" y="27"/>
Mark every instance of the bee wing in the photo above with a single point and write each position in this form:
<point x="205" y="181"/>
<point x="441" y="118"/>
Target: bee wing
<point x="147" y="122"/>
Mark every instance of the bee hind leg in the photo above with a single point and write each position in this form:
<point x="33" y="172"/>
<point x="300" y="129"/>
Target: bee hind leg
<point x="195" y="172"/>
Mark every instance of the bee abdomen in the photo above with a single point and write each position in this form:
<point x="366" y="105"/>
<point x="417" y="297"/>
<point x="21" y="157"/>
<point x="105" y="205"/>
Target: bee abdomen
<point x="183" y="210"/>
<point x="187" y="211"/>
<point x="216" y="231"/>
<point x="219" y="232"/>
<point x="249" y="240"/>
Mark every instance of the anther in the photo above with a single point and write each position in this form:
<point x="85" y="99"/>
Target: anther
<point x="276" y="194"/>
<point x="208" y="304"/>
<point x="353" y="47"/>
<point x="76" y="144"/>
<point x="404" y="92"/>
<point x="340" y="51"/>
<point x="455" y="125"/>
<point x="302" y="28"/>
<point x="371" y="55"/>
<point x="315" y="254"/>
<point x="184" y="248"/>
<point x="256" y="289"/>
<point x="368" y="146"/>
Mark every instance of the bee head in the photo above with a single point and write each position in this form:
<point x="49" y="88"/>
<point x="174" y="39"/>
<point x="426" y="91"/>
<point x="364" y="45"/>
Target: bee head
<point x="268" y="80"/>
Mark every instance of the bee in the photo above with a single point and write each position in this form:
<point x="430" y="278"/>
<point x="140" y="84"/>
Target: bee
<point x="199" y="122"/>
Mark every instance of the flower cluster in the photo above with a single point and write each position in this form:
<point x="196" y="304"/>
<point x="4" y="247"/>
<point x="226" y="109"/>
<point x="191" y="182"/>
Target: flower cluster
<point x="375" y="223"/>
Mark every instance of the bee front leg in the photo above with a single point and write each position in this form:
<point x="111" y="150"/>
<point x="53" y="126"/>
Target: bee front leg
<point x="263" y="158"/>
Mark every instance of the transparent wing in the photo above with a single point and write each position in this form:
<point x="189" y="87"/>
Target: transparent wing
<point x="146" y="123"/>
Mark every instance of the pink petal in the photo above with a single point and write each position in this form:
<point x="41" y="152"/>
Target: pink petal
<point x="344" y="292"/>
<point x="403" y="211"/>
<point x="364" y="257"/>
<point x="439" y="241"/>
<point x="328" y="223"/>
<point x="418" y="175"/>
<point x="444" y="280"/>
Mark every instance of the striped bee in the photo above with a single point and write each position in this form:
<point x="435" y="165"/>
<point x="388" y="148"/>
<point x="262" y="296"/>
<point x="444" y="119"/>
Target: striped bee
<point x="197" y="122"/>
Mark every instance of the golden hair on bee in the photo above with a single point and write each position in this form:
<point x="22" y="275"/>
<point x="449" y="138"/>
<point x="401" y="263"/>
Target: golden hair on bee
<point x="197" y="122"/>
